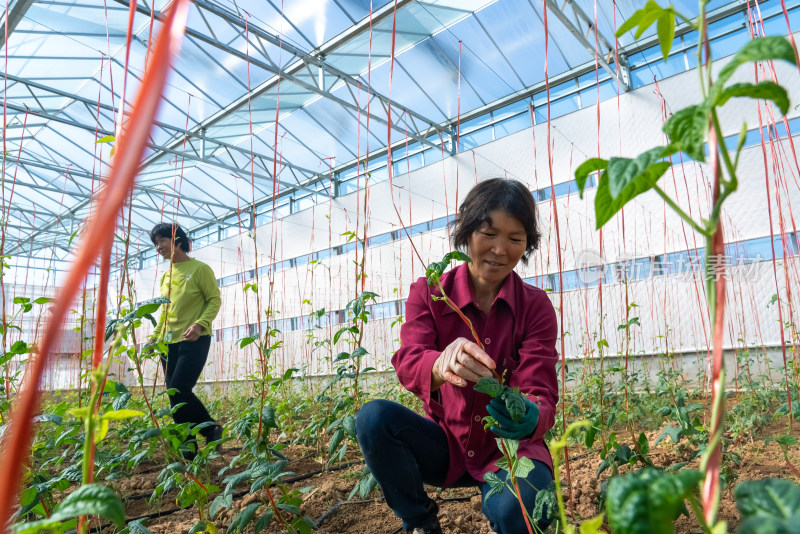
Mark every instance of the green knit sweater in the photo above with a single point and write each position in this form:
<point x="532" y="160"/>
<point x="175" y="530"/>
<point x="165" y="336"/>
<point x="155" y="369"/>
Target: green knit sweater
<point x="194" y="298"/>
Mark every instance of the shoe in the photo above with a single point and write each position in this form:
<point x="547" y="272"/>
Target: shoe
<point x="436" y="529"/>
<point x="216" y="435"/>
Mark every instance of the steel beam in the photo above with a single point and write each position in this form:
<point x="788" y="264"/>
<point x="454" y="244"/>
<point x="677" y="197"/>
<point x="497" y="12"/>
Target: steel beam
<point x="162" y="149"/>
<point x="15" y="14"/>
<point x="178" y="132"/>
<point x="315" y="59"/>
<point x="578" y="35"/>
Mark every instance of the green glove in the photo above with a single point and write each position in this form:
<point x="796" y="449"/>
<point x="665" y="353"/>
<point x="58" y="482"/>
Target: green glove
<point x="508" y="429"/>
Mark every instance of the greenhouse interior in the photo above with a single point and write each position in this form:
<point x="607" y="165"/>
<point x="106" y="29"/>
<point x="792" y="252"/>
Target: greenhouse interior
<point x="421" y="266"/>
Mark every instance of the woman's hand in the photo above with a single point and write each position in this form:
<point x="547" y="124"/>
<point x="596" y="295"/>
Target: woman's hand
<point x="193" y="332"/>
<point x="506" y="427"/>
<point x="461" y="361"/>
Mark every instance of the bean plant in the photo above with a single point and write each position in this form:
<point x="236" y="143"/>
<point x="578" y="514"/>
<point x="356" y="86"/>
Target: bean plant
<point x="632" y="498"/>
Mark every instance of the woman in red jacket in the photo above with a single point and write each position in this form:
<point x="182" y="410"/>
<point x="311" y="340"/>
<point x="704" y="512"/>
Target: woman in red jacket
<point x="439" y="362"/>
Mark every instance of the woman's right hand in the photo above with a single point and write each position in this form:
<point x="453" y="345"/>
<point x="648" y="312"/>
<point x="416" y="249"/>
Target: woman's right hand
<point x="461" y="361"/>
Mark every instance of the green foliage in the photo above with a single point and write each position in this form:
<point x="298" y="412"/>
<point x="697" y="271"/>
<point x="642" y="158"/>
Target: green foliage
<point x="243" y="518"/>
<point x="645" y="17"/>
<point x="514" y="400"/>
<point x="365" y="485"/>
<point x="648" y="501"/>
<point x="143" y="310"/>
<point x="89" y="499"/>
<point x="764" y="90"/>
<point x="546" y="504"/>
<point x="436" y="269"/>
<point x="768" y="506"/>
<point x="760" y="49"/>
<point x="687" y="129"/>
<point x="622" y="179"/>
<point x="490" y="386"/>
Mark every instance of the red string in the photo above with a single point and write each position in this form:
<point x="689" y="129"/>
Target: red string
<point x="558" y="254"/>
<point x="16" y="445"/>
<point x="772" y="240"/>
<point x="389" y="134"/>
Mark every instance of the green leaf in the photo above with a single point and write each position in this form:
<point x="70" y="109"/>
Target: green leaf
<point x="43" y="300"/>
<point x="244" y="518"/>
<point x="511" y="446"/>
<point x="762" y="90"/>
<point x="643" y="446"/>
<point x="143" y="308"/>
<point x="137" y="527"/>
<point x="489" y="386"/>
<point x="48" y="418"/>
<point x="263" y="521"/>
<point x="624" y="172"/>
<point x="666" y="31"/>
<point x="456" y="255"/>
<point x="117" y="415"/>
<point x="592" y="526"/>
<point x="672" y="431"/>
<point x="522" y="467"/>
<point x="200" y="526"/>
<point x="336" y="440"/>
<point x="349" y="425"/>
<point x="782" y="440"/>
<point x="436" y="269"/>
<point x="515" y="404"/>
<point x="651" y="13"/>
<point x="546" y="506"/>
<point x="586" y="168"/>
<point x="19" y="347"/>
<point x="105" y="139"/>
<point x="760" y="49"/>
<point x="219" y="503"/>
<point x="591" y="433"/>
<point x="631" y="23"/>
<point x="687" y="130"/>
<point x="768" y="505"/>
<point x="648" y="501"/>
<point x="246" y="341"/>
<point x="89" y="499"/>
<point x="496" y="485"/>
<point x="630" y="178"/>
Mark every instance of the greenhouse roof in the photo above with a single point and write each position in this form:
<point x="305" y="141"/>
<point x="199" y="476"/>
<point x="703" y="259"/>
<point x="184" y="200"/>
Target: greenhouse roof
<point x="321" y="67"/>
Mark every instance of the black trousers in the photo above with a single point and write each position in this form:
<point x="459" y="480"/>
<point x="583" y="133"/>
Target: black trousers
<point x="182" y="367"/>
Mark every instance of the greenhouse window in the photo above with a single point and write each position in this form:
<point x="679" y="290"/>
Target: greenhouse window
<point x="379" y="239"/>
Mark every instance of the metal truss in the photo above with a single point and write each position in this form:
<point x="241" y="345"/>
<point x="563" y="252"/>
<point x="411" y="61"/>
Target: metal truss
<point x="16" y="12"/>
<point x="575" y="28"/>
<point x="311" y="76"/>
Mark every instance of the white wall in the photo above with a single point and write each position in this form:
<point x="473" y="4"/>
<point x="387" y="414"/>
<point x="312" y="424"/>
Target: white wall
<point x="671" y="309"/>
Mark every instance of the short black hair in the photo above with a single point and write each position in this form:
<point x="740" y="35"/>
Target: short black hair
<point x="168" y="230"/>
<point x="510" y="196"/>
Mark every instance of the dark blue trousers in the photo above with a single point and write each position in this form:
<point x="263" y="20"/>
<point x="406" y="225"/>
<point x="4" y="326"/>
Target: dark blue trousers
<point x="404" y="450"/>
<point x="182" y="367"/>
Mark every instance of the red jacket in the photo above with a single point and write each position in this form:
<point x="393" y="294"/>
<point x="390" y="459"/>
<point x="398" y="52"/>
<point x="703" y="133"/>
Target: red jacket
<point x="519" y="333"/>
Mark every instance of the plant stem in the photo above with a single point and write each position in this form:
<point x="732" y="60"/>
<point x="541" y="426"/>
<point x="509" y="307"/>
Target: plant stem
<point x="682" y="214"/>
<point x="516" y="486"/>
<point x="468" y="322"/>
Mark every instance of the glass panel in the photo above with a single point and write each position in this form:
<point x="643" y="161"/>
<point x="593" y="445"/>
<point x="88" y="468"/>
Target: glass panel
<point x="512" y="125"/>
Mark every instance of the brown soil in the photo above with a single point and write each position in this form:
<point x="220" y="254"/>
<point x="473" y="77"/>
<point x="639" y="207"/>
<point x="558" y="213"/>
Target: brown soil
<point x="460" y="510"/>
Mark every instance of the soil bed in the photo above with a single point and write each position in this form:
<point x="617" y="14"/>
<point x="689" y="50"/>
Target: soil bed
<point x="460" y="509"/>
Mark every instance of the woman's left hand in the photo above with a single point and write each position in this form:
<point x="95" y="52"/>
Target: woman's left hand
<point x="507" y="428"/>
<point x="193" y="332"/>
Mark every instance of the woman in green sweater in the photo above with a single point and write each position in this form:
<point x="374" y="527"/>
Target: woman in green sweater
<point x="185" y="325"/>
